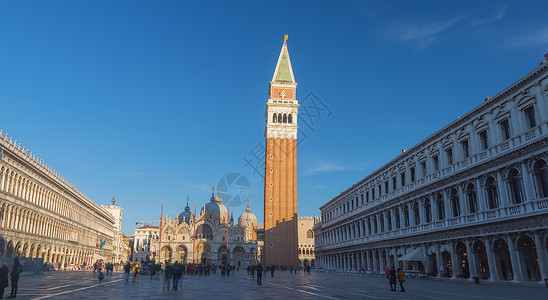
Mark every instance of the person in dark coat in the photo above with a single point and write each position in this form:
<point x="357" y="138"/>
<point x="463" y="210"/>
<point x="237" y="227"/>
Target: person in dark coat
<point x="259" y="274"/>
<point x="392" y="278"/>
<point x="3" y="279"/>
<point x="17" y="268"/>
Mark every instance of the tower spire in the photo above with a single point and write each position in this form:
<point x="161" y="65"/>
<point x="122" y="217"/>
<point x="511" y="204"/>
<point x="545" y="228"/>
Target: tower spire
<point x="284" y="72"/>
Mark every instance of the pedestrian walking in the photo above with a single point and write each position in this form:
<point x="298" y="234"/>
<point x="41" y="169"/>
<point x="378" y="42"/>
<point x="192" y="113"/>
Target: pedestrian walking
<point x="401" y="278"/>
<point x="228" y="269"/>
<point x="392" y="279"/>
<point x="177" y="272"/>
<point x="127" y="269"/>
<point x="168" y="273"/>
<point x="101" y="276"/>
<point x="15" y="271"/>
<point x="387" y="272"/>
<point x="259" y="274"/>
<point x="3" y="279"/>
<point x="272" y="268"/>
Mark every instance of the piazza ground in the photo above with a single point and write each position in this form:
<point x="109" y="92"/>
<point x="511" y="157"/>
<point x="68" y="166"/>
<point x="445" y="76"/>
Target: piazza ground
<point x="84" y="285"/>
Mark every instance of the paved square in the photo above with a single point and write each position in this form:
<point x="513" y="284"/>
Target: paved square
<point x="84" y="285"/>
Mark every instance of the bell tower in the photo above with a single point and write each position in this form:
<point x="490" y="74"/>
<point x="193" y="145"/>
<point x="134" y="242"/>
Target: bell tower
<point x="280" y="189"/>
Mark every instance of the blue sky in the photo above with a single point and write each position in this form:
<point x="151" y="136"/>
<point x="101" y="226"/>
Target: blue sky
<point x="157" y="100"/>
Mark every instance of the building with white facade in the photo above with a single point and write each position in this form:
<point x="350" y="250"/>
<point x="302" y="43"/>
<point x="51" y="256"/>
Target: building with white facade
<point x="43" y="215"/>
<point x="143" y="237"/>
<point x="119" y="252"/>
<point x="470" y="200"/>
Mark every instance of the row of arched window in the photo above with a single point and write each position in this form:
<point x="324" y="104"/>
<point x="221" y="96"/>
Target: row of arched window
<point x="459" y="149"/>
<point x="448" y="204"/>
<point x="282" y="118"/>
<point x="17" y="185"/>
<point x="13" y="217"/>
<point x="515" y="188"/>
<point x="48" y="253"/>
<point x="306" y="251"/>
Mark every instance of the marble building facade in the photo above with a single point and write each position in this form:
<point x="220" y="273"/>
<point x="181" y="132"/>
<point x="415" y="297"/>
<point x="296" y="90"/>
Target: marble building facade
<point x="43" y="215"/>
<point x="470" y="200"/>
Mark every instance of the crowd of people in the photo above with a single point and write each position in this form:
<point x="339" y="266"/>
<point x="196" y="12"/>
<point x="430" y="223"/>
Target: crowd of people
<point x="171" y="273"/>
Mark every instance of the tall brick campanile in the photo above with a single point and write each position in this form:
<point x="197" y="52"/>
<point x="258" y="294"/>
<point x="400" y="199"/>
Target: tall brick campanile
<point x="280" y="189"/>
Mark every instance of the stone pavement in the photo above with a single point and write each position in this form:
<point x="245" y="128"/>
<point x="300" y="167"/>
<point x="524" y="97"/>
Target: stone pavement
<point x="84" y="285"/>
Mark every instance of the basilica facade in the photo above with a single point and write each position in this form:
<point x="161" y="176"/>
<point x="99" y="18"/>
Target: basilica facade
<point x="210" y="237"/>
<point x="43" y="215"/>
<point x="469" y="201"/>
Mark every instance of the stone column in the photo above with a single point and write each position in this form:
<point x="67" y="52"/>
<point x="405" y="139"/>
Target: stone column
<point x="360" y="228"/>
<point x="434" y="207"/>
<point x="529" y="191"/>
<point x="491" y="260"/>
<point x="481" y="196"/>
<point x="462" y="202"/>
<point x="362" y="260"/>
<point x="503" y="193"/>
<point x="378" y="223"/>
<point x="402" y="215"/>
<point x="347" y="231"/>
<point x="472" y="259"/>
<point x="375" y="261"/>
<point x="447" y="205"/>
<point x="439" y="261"/>
<point x="514" y="257"/>
<point x="393" y="217"/>
<point x="385" y="218"/>
<point x="541" y="254"/>
<point x="388" y="262"/>
<point x="350" y="261"/>
<point x="454" y="262"/>
<point x="381" y="264"/>
<point x="421" y="211"/>
<point x="396" y="261"/>
<point x="411" y="214"/>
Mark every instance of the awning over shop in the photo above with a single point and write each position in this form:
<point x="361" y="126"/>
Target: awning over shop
<point x="415" y="255"/>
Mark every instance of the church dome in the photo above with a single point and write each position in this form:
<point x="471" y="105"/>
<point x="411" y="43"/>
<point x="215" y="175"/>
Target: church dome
<point x="247" y="218"/>
<point x="185" y="216"/>
<point x="215" y="211"/>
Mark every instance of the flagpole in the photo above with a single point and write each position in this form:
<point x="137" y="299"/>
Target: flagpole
<point x="194" y="237"/>
<point x="227" y="225"/>
<point x="160" y="238"/>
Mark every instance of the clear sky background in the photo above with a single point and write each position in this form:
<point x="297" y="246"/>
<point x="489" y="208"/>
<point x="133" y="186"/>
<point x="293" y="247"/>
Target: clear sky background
<point x="157" y="100"/>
